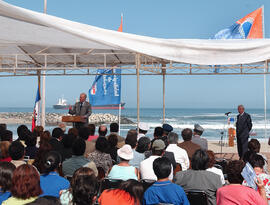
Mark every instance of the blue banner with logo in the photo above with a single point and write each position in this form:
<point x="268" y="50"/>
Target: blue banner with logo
<point x="106" y="89"/>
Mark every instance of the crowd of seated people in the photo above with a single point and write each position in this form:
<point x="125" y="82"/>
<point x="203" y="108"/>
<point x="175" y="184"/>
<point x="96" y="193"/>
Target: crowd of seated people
<point x="81" y="167"/>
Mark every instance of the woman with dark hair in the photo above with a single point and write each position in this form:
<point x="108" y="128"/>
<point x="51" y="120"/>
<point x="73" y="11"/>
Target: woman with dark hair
<point x="50" y="181"/>
<point x="112" y="150"/>
<point x="255" y="146"/>
<point x="6" y="172"/>
<point x="211" y="168"/>
<point x="38" y="130"/>
<point x="45" y="137"/>
<point x="25" y="185"/>
<point x="67" y="141"/>
<point x="73" y="131"/>
<point x="198" y="178"/>
<point x="39" y="161"/>
<point x="4" y="157"/>
<point x="144" y="145"/>
<point x="235" y="192"/>
<point x="99" y="156"/>
<point x="257" y="162"/>
<point x="66" y="197"/>
<point x="129" y="192"/>
<point x="31" y="148"/>
<point x="84" y="189"/>
<point x="46" y="200"/>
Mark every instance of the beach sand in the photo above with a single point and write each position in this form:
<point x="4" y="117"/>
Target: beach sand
<point x="230" y="153"/>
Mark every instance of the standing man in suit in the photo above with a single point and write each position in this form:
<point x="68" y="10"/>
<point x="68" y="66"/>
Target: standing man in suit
<point x="243" y="127"/>
<point x="83" y="109"/>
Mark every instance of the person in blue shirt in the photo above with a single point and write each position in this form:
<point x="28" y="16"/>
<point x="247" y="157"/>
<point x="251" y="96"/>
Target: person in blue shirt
<point x="6" y="172"/>
<point x="50" y="181"/>
<point x="164" y="191"/>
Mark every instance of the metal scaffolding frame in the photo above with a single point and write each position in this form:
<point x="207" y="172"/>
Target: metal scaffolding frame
<point x="78" y="64"/>
<point x="56" y="64"/>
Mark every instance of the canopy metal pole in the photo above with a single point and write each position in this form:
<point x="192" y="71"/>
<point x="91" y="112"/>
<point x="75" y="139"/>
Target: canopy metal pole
<point x="38" y="122"/>
<point x="163" y="76"/>
<point x="138" y="65"/>
<point x="43" y="101"/>
<point x="119" y="118"/>
<point x="264" y="80"/>
<point x="265" y="107"/>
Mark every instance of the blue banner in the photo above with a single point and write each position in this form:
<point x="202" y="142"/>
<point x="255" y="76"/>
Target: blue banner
<point x="106" y="89"/>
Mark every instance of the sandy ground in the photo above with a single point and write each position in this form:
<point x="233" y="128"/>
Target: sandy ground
<point x="230" y="153"/>
<point x="214" y="145"/>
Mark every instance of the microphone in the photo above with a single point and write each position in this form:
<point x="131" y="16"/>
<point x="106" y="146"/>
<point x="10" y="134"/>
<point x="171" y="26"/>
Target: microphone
<point x="227" y="113"/>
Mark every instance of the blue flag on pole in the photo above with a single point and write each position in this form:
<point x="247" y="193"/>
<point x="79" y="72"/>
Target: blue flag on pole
<point x="106" y="89"/>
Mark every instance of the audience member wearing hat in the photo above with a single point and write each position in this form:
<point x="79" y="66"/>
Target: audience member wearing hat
<point x="143" y="129"/>
<point x="158" y="135"/>
<point x="123" y="170"/>
<point x="166" y="130"/>
<point x="197" y="139"/>
<point x="146" y="166"/>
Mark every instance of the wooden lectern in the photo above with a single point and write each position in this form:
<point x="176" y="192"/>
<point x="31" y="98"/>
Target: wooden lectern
<point x="71" y="119"/>
<point x="231" y="134"/>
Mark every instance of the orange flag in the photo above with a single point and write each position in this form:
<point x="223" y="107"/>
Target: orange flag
<point x="120" y="29"/>
<point x="256" y="30"/>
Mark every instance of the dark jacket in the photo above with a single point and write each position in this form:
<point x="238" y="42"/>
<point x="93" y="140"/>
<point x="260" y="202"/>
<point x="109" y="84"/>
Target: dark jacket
<point x="84" y="110"/>
<point x="243" y="125"/>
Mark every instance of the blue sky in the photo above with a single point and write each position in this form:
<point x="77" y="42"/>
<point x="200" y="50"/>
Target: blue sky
<point x="164" y="19"/>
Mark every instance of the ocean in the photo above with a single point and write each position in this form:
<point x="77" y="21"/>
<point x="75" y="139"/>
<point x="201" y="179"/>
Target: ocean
<point x="214" y="121"/>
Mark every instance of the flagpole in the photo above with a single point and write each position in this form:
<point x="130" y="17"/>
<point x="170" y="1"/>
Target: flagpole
<point x="120" y="29"/>
<point x="163" y="77"/>
<point x="43" y="94"/>
<point x="264" y="81"/>
<point x="119" y="117"/>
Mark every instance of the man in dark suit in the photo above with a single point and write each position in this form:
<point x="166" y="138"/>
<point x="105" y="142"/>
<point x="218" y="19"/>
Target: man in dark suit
<point x="83" y="109"/>
<point x="243" y="127"/>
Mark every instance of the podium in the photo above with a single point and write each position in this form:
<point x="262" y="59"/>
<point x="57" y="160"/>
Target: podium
<point x="231" y="134"/>
<point x="71" y="119"/>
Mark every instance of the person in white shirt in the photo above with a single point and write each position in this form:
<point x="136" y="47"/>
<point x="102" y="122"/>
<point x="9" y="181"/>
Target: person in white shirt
<point x="146" y="166"/>
<point x="180" y="155"/>
<point x="211" y="167"/>
<point x="143" y="129"/>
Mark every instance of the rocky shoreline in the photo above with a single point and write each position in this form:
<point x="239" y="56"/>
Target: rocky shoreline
<point x="52" y="119"/>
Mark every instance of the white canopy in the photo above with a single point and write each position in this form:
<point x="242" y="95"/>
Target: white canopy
<point x="27" y="32"/>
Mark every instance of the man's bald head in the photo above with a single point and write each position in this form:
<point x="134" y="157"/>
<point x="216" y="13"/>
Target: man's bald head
<point x="83" y="97"/>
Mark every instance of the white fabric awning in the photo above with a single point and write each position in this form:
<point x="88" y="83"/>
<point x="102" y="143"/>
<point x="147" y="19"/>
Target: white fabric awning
<point x="26" y="32"/>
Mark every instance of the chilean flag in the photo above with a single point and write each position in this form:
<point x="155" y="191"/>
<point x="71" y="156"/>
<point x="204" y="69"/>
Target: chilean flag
<point x="94" y="89"/>
<point x="36" y="113"/>
<point x="251" y="26"/>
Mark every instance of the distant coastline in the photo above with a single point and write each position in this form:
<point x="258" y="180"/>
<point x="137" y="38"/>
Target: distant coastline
<point x="53" y="119"/>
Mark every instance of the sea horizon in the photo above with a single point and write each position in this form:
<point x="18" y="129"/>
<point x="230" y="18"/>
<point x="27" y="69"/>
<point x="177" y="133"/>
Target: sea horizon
<point x="213" y="120"/>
